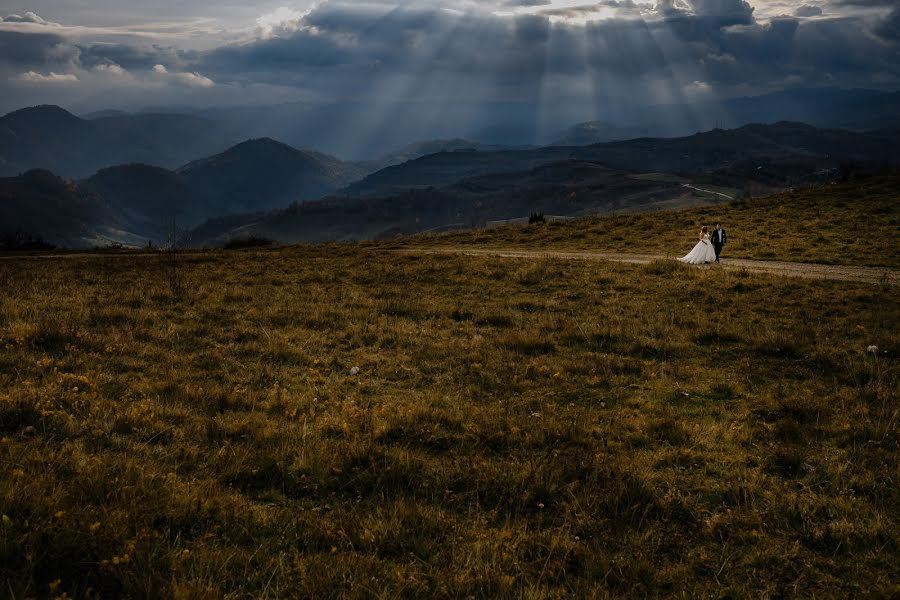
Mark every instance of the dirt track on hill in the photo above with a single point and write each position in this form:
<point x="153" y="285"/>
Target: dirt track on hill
<point x="875" y="275"/>
<point x="788" y="269"/>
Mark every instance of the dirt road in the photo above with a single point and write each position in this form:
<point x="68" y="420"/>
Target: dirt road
<point x="789" y="269"/>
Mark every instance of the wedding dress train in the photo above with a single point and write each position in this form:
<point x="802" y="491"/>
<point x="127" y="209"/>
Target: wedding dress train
<point x="703" y="252"/>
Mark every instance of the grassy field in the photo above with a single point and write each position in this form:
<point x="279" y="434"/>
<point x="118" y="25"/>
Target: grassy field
<point x="194" y="427"/>
<point x="848" y="224"/>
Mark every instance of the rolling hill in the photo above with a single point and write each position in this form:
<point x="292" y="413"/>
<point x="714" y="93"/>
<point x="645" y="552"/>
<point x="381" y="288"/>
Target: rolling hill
<point x="61" y="212"/>
<point x="786" y="151"/>
<point x="48" y="137"/>
<point x="464" y="187"/>
<point x="135" y="203"/>
<point x="560" y="188"/>
<point x="380" y="420"/>
<point x="263" y="174"/>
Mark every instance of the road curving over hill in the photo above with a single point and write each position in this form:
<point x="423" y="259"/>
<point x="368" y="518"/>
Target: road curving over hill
<point x="877" y="275"/>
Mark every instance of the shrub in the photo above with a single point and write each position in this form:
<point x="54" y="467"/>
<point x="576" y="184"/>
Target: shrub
<point x="253" y="241"/>
<point x="23" y="241"/>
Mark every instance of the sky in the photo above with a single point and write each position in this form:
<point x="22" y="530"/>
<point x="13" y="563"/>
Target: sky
<point x="556" y="58"/>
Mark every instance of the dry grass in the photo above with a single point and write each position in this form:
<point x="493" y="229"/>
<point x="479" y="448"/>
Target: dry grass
<point x="847" y="224"/>
<point x="543" y="429"/>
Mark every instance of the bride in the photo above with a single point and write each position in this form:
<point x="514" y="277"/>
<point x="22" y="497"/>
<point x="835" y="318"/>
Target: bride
<point x="703" y="252"/>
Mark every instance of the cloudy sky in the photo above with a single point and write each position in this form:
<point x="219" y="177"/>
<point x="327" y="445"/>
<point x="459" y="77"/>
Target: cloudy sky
<point x="562" y="56"/>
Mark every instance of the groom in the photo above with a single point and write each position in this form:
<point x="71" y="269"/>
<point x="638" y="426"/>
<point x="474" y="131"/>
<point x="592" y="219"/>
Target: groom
<point x="719" y="239"/>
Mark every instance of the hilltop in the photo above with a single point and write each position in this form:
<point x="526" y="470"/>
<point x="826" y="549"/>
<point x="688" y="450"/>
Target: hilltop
<point x="849" y="223"/>
<point x="347" y="420"/>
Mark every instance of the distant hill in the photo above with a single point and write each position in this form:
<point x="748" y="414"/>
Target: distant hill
<point x="561" y="188"/>
<point x="469" y="188"/>
<point x="823" y="107"/>
<point x="100" y="114"/>
<point x="444" y="168"/>
<point x="721" y="148"/>
<point x="263" y="174"/>
<point x="38" y="202"/>
<point x="48" y="137"/>
<point x="595" y="132"/>
<point x="134" y="203"/>
<point x="856" y="109"/>
<point x="785" y="151"/>
<point x="424" y="148"/>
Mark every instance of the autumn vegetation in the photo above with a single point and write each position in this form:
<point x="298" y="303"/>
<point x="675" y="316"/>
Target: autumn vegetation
<point x="850" y="223"/>
<point x="192" y="425"/>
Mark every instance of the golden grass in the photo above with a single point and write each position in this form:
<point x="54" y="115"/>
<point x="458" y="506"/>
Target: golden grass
<point x="517" y="429"/>
<point x="847" y="224"/>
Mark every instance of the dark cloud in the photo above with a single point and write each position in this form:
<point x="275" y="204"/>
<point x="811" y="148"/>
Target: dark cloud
<point x="525" y="3"/>
<point x="889" y="29"/>
<point x="715" y="41"/>
<point x="587" y="10"/>
<point x="29" y="50"/>
<point x="419" y="53"/>
<point x="864" y="3"/>
<point x="736" y="9"/>
<point x="132" y="57"/>
<point x="808" y="11"/>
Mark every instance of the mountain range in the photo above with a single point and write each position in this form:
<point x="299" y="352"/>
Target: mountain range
<point x="569" y="188"/>
<point x="48" y="137"/>
<point x="781" y="147"/>
<point x="269" y="188"/>
<point x="137" y="203"/>
<point x="470" y="189"/>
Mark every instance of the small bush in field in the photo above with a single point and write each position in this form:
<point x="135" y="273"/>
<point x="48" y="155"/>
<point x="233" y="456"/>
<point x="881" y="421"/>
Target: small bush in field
<point x="248" y="242"/>
<point x="664" y="268"/>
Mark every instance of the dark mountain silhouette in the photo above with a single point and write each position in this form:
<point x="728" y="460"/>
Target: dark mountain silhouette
<point x="823" y="107"/>
<point x="563" y="188"/>
<point x="469" y="188"/>
<point x="313" y="126"/>
<point x="596" y="132"/>
<point x="48" y="137"/>
<point x="154" y="201"/>
<point x="426" y="147"/>
<point x="137" y="203"/>
<point x="794" y="143"/>
<point x="263" y="174"/>
<point x="856" y="109"/>
<point x="444" y="168"/>
<point x="40" y="203"/>
<point x="100" y="114"/>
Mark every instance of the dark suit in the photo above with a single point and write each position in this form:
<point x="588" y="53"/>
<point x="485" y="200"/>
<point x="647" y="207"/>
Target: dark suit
<point x="719" y="239"/>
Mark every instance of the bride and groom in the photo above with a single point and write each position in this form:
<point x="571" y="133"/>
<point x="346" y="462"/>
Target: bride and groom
<point x="708" y="248"/>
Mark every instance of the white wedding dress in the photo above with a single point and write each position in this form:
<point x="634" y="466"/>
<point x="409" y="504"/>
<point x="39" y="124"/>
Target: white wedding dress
<point x="703" y="252"/>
